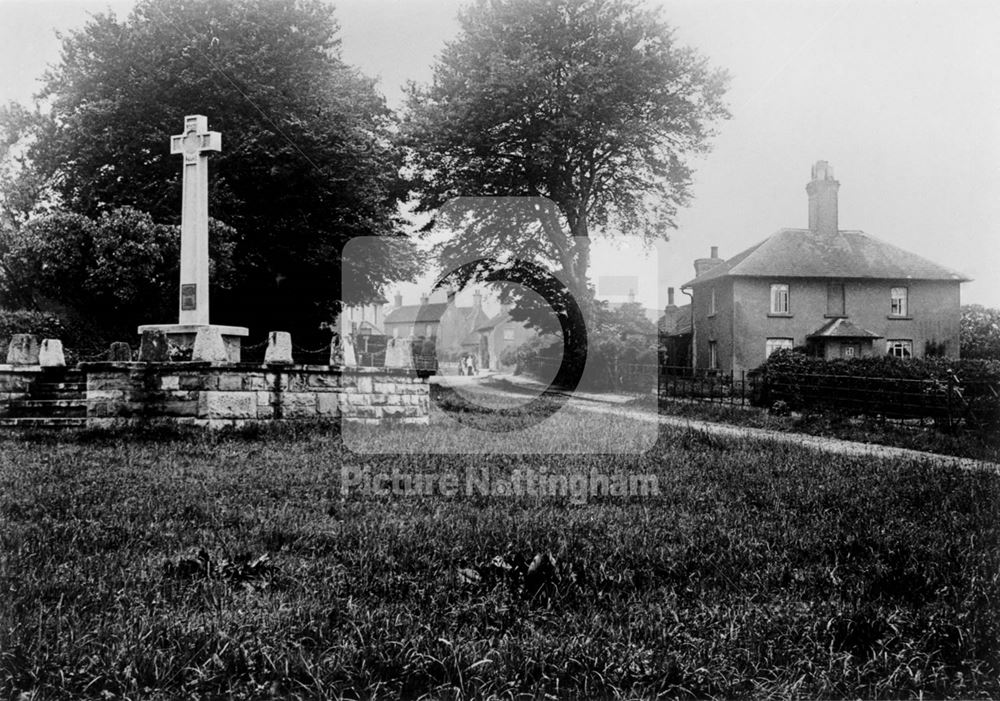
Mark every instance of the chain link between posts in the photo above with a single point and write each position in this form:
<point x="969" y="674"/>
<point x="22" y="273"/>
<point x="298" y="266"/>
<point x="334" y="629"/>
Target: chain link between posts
<point x="88" y="355"/>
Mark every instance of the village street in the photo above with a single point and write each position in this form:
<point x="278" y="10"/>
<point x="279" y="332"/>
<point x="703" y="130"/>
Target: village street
<point x="511" y="387"/>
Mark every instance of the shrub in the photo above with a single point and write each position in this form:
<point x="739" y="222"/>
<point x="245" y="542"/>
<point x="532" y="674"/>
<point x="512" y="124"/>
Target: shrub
<point x="41" y="324"/>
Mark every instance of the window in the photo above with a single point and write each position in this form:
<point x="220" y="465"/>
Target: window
<point x="835" y="299"/>
<point x="395" y="332"/>
<point x="430" y="330"/>
<point x="779" y="299"/>
<point x="899" y="348"/>
<point x="897" y="303"/>
<point x="508" y="334"/>
<point x="774" y="344"/>
<point x="713" y="355"/>
<point x="711" y="302"/>
<point x="354" y="327"/>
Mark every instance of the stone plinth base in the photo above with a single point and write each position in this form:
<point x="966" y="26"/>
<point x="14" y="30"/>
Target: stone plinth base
<point x="217" y="394"/>
<point x="183" y="335"/>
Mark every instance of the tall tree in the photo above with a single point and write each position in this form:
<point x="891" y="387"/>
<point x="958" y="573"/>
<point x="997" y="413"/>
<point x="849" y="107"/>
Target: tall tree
<point x="589" y="103"/>
<point x="307" y="160"/>
<point x="980" y="332"/>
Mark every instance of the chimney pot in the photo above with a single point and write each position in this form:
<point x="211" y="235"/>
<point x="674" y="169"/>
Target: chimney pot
<point x="423" y="298"/>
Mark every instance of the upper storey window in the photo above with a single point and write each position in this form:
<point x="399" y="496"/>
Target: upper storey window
<point x="779" y="299"/>
<point x="898" y="303"/>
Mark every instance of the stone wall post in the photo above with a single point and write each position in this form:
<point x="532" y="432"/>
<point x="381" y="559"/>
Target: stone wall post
<point x="279" y="348"/>
<point x="23" y="349"/>
<point x="50" y="355"/>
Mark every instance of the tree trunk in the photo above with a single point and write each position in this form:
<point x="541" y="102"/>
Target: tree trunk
<point x="575" y="336"/>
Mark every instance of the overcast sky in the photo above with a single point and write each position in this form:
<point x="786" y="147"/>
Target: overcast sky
<point x="900" y="97"/>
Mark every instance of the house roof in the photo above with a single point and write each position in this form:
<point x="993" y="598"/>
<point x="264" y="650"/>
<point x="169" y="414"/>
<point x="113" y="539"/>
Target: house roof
<point x="842" y="328"/>
<point x="675" y="320"/>
<point x="849" y="254"/>
<point x="416" y="313"/>
<point x="476" y="315"/>
<point x="430" y="313"/>
<point x="494" y="321"/>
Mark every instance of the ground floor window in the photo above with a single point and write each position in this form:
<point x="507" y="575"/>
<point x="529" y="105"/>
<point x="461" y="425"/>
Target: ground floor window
<point x="900" y="348"/>
<point x="508" y="334"/>
<point x="850" y="350"/>
<point x="774" y="344"/>
<point x="713" y="355"/>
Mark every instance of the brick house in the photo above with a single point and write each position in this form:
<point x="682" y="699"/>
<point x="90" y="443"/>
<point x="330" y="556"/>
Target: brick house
<point x="446" y="322"/>
<point x="674" y="327"/>
<point x="839" y="293"/>
<point x="362" y="319"/>
<point x="501" y="333"/>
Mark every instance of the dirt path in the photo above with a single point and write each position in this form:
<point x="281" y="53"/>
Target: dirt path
<point x="613" y="404"/>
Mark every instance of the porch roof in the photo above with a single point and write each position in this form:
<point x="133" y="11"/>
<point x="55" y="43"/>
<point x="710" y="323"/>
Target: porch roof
<point x="842" y="328"/>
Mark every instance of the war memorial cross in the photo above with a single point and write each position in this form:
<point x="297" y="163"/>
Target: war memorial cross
<point x="194" y="144"/>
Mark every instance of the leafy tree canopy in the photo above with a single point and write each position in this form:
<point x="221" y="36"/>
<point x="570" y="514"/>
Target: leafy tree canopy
<point x="980" y="332"/>
<point x="110" y="274"/>
<point x="307" y="160"/>
<point x="589" y="103"/>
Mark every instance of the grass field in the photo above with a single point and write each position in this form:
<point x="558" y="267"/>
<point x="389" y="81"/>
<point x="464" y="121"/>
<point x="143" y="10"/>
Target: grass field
<point x="134" y="565"/>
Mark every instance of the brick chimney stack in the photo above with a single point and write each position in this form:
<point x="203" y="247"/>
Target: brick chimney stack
<point x="398" y="299"/>
<point x="703" y="265"/>
<point x="670" y="298"/>
<point x="823" y="199"/>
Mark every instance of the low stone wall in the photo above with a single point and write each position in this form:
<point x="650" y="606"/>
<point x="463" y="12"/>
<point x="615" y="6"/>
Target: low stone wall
<point x="15" y="381"/>
<point x="221" y="394"/>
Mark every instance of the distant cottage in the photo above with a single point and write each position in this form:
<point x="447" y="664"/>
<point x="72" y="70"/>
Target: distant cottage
<point x="451" y="326"/>
<point x="840" y="294"/>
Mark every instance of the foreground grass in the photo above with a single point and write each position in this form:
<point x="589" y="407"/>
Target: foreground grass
<point x="759" y="571"/>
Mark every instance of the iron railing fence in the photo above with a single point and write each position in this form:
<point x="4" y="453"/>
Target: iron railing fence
<point x="684" y="382"/>
<point x="950" y="402"/>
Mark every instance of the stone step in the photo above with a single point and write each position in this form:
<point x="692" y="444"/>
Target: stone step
<point x="57" y="393"/>
<point x="44" y="408"/>
<point x="63" y="375"/>
<point x="43" y="422"/>
<point x="73" y="385"/>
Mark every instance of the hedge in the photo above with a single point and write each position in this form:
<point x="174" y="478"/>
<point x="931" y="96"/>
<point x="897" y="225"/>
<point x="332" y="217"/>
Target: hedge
<point x="939" y="388"/>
